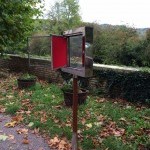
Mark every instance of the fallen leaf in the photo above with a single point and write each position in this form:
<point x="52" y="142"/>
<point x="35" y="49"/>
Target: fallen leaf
<point x="54" y="142"/>
<point x="58" y="107"/>
<point x="2" y="109"/>
<point x="68" y="124"/>
<point x="89" y="125"/>
<point x="62" y="145"/>
<point x="41" y="148"/>
<point x="98" y="123"/>
<point x="30" y="124"/>
<point x="123" y="119"/>
<point x="36" y="130"/>
<point x="83" y="121"/>
<point x="3" y="137"/>
<point x="17" y="118"/>
<point x="53" y="96"/>
<point x="58" y="144"/>
<point x="100" y="100"/>
<point x="9" y="96"/>
<point x="100" y="118"/>
<point x="128" y="107"/>
<point x="146" y="118"/>
<point x="28" y="112"/>
<point x="11" y="124"/>
<point x="11" y="137"/>
<point x="117" y="133"/>
<point x="23" y="130"/>
<point x="44" y="118"/>
<point x="25" y="101"/>
<point x="25" y="141"/>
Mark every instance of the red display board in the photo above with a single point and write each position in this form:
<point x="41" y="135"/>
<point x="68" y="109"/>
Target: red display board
<point x="59" y="51"/>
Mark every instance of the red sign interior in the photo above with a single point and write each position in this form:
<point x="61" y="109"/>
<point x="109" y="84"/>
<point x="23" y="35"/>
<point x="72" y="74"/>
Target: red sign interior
<point x="59" y="52"/>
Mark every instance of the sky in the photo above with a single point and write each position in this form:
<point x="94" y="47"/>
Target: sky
<point x="132" y="13"/>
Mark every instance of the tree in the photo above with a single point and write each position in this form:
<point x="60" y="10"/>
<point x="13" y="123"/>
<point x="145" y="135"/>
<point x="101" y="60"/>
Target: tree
<point x="116" y="45"/>
<point x="146" y="50"/>
<point x="64" y="15"/>
<point x="16" y="22"/>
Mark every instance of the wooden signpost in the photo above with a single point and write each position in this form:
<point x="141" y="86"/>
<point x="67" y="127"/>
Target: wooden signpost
<point x="72" y="52"/>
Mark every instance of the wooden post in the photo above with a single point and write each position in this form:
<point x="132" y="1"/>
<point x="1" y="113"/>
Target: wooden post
<point x="75" y="112"/>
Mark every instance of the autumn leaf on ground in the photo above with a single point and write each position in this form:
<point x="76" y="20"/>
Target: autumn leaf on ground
<point x="44" y="118"/>
<point x="58" y="144"/>
<point x="11" y="137"/>
<point x="23" y="130"/>
<point x="25" y="140"/>
<point x="58" y="107"/>
<point x="2" y="109"/>
<point x="100" y="100"/>
<point x="17" y="118"/>
<point x="111" y="129"/>
<point x="56" y="120"/>
<point x="53" y="96"/>
<point x="3" y="137"/>
<point x="25" y="102"/>
<point x="98" y="123"/>
<point x="80" y="136"/>
<point x="30" y="124"/>
<point x="63" y="145"/>
<point x="118" y="132"/>
<point x="9" y="96"/>
<point x="101" y="118"/>
<point x="53" y="143"/>
<point x="41" y="148"/>
<point x="89" y="125"/>
<point x="11" y="124"/>
<point x="36" y="130"/>
<point x="83" y="121"/>
<point x="146" y="118"/>
<point x="28" y="112"/>
<point x="124" y="120"/>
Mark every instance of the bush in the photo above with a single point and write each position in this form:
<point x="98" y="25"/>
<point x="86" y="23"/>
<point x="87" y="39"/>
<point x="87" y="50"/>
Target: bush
<point x="133" y="86"/>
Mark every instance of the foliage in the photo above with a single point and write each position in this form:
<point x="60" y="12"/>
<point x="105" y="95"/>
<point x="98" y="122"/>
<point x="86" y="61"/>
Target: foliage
<point x="27" y="76"/>
<point x="134" y="86"/>
<point x="64" y="15"/>
<point x="16" y="22"/>
<point x="116" y="44"/>
<point x="68" y="86"/>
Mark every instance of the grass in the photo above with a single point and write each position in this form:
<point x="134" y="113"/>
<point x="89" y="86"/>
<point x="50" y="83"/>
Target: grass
<point x="98" y="120"/>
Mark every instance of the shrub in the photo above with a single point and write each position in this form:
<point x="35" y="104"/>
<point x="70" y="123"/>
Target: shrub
<point x="133" y="86"/>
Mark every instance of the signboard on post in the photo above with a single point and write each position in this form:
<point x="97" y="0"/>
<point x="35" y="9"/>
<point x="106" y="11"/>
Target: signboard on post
<point x="72" y="52"/>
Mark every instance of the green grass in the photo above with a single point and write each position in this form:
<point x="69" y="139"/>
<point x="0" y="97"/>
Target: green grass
<point x="12" y="108"/>
<point x="48" y="99"/>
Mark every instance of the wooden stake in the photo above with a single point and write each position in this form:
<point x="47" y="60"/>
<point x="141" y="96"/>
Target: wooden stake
<point x="75" y="112"/>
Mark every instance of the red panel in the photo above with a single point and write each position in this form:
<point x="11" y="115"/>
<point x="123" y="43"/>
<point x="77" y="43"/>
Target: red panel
<point x="59" y="52"/>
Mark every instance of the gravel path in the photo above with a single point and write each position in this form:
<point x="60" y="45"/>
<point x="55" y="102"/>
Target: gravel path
<point x="22" y="141"/>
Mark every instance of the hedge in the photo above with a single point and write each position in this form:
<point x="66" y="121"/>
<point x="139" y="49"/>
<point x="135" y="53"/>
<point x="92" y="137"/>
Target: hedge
<point x="132" y="86"/>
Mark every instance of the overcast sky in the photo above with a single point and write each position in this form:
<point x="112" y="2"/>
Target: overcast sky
<point x="133" y="13"/>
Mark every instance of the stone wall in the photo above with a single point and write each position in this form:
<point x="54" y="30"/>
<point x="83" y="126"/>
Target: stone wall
<point x="42" y="70"/>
